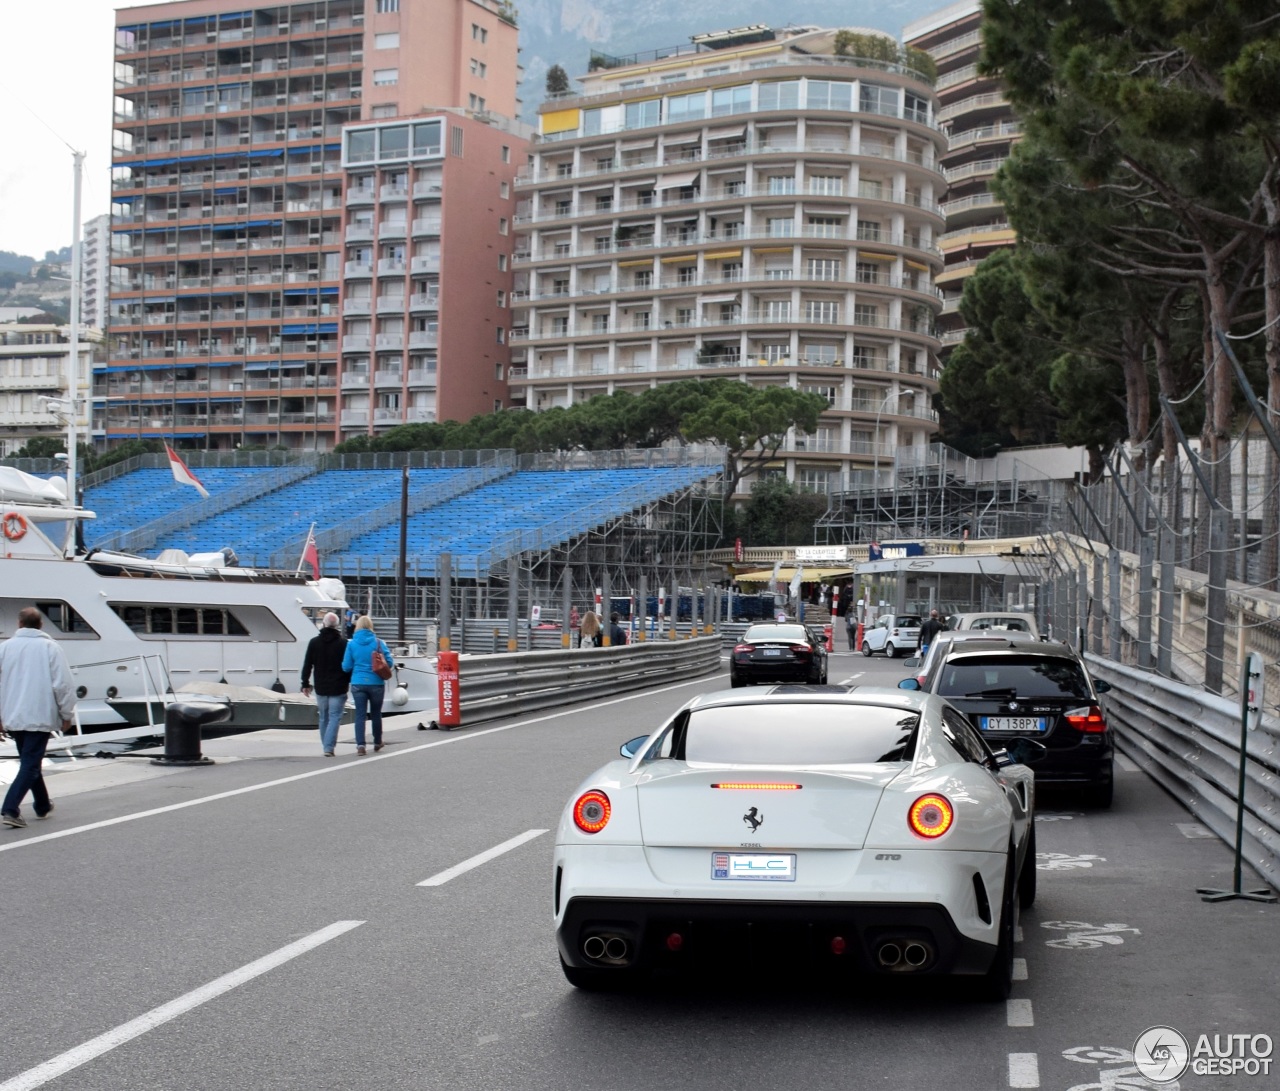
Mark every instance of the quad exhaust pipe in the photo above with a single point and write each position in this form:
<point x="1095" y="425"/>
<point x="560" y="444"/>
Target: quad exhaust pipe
<point x="606" y="948"/>
<point x="903" y="956"/>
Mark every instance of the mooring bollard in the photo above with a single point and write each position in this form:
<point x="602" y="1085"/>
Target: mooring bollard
<point x="183" y="721"/>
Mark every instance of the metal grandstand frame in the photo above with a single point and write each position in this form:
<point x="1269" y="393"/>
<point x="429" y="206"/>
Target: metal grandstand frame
<point x="938" y="492"/>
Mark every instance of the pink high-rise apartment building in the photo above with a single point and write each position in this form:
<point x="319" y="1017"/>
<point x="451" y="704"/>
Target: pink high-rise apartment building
<point x="232" y="240"/>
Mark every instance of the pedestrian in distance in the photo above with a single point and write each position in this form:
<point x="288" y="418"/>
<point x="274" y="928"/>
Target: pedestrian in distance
<point x="37" y="697"/>
<point x="589" y="630"/>
<point x="324" y="656"/>
<point x="851" y="627"/>
<point x="929" y="628"/>
<point x="366" y="687"/>
<point x="617" y="634"/>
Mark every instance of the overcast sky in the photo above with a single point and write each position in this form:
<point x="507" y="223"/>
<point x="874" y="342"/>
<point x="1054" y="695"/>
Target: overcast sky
<point x="55" y="59"/>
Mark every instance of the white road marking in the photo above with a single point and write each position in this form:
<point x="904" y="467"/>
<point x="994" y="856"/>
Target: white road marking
<point x="1017" y="933"/>
<point x="1019" y="969"/>
<point x="363" y="763"/>
<point x="1019" y="1014"/>
<point x="1194" y="830"/>
<point x="1024" y="1070"/>
<point x="442" y="877"/>
<point x="104" y="1043"/>
<point x="1127" y="764"/>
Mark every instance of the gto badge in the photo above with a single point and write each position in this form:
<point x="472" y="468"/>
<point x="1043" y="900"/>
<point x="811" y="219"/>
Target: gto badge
<point x="754" y="819"/>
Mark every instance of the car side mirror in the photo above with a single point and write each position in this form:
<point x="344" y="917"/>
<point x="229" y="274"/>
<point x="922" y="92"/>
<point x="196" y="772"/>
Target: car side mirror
<point x="632" y="747"/>
<point x="1020" y="752"/>
<point x="909" y="683"/>
<point x="913" y="662"/>
<point x="1103" y="686"/>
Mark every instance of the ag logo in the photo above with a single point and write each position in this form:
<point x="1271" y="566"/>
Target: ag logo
<point x="1161" y="1054"/>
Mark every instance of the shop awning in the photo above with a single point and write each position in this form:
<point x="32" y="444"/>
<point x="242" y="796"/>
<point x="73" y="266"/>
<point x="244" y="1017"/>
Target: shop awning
<point x="682" y="138"/>
<point x="786" y="572"/>
<point x="674" y="181"/>
<point x="727" y="132"/>
<point x="636" y="145"/>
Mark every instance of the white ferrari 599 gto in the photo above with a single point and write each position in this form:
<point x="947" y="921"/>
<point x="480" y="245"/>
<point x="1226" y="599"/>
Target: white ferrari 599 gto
<point x="856" y="829"/>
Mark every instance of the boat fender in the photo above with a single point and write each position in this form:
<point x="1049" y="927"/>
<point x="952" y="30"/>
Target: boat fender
<point x="15" y="526"/>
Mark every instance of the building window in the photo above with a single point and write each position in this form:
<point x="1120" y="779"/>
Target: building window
<point x="730" y="100"/>
<point x="777" y="310"/>
<point x="501" y="335"/>
<point x="504" y="190"/>
<point x="600" y="323"/>
<point x="641" y="115"/>
<point x="868" y="231"/>
<point x="502" y="298"/>
<point x="479" y="68"/>
<point x="780" y="96"/>
<point x="866" y="315"/>
<point x="915" y="108"/>
<point x="643" y="278"/>
<point x="502" y="263"/>
<point x="502" y="225"/>
<point x="873" y="99"/>
<point x="822" y="311"/>
<point x="825" y="227"/>
<point x="832" y="184"/>
<point x="560" y="325"/>
<point x="824" y="269"/>
<point x="385" y="7"/>
<point x="810" y="480"/>
<point x="782" y="185"/>
<point x="780" y="227"/>
<point x="824" y="95"/>
<point x="497" y="372"/>
<point x="479" y="33"/>
<point x="868" y="272"/>
<point x="385" y="110"/>
<point x="686" y="107"/>
<point x="390" y="40"/>
<point x="831" y="393"/>
<point x="477" y="103"/>
<point x="506" y="153"/>
<point x="640" y="320"/>
<point x="384" y="77"/>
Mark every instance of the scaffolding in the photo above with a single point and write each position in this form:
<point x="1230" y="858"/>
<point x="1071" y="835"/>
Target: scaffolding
<point x="937" y="492"/>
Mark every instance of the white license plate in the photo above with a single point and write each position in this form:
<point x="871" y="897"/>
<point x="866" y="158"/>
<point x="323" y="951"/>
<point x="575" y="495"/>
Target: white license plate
<point x="772" y="651"/>
<point x="1014" y="723"/>
<point x="769" y="867"/>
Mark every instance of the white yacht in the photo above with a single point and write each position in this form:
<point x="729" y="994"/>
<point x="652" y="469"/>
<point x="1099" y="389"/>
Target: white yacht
<point x="134" y="628"/>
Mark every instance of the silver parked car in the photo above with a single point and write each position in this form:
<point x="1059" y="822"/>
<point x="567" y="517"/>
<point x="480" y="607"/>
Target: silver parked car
<point x="891" y="634"/>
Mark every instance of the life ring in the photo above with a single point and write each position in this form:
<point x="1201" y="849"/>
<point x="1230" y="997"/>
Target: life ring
<point x="15" y="526"/>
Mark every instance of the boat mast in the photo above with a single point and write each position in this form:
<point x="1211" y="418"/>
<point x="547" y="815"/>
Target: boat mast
<point x="73" y="357"/>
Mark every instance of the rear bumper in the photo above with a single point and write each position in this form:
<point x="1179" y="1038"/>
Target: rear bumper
<point x="848" y="937"/>
<point x="775" y="672"/>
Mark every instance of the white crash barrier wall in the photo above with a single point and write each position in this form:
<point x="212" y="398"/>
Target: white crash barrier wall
<point x="514" y="683"/>
<point x="1189" y="742"/>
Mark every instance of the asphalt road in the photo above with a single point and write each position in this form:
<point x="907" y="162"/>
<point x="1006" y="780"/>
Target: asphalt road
<point x="134" y="948"/>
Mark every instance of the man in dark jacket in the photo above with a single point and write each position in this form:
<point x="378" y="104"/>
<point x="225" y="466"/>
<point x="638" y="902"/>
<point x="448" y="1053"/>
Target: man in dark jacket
<point x="324" y="656"/>
<point x="931" y="627"/>
<point x="617" y="634"/>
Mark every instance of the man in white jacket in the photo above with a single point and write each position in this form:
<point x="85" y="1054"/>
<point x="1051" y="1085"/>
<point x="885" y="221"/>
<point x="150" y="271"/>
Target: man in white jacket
<point x="37" y="696"/>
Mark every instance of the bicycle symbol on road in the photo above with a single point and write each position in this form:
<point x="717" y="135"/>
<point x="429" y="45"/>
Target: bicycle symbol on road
<point x="1082" y="935"/>
<point x="1123" y="1078"/>
<point x="1062" y="861"/>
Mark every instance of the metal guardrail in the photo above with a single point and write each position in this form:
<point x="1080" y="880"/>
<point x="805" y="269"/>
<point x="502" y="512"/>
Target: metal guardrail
<point x="1188" y="741"/>
<point x="516" y="683"/>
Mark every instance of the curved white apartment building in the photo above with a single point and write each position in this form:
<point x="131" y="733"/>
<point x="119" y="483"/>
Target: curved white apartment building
<point x="763" y="210"/>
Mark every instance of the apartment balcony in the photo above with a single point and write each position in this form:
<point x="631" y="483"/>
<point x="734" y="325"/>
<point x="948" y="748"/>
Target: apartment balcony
<point x="355" y="344"/>
<point x="393" y="193"/>
<point x="388" y="378"/>
<point x="417" y="414"/>
<point x="359" y="233"/>
<point x="360" y="195"/>
<point x="357" y="307"/>
<point x="429" y="264"/>
<point x="390" y="266"/>
<point x="358" y="269"/>
<point x="392" y="229"/>
<point x="354" y="418"/>
<point x="355" y="380"/>
<point x="427" y="189"/>
<point x="388" y="416"/>
<point x="428" y="226"/>
<point x="424" y="339"/>
<point x="992" y="101"/>
<point x="420" y="376"/>
<point x="424" y="301"/>
<point x="389" y="342"/>
<point x="390" y="304"/>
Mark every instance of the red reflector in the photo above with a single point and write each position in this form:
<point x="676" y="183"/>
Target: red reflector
<point x="931" y="815"/>
<point x="757" y="786"/>
<point x="675" y="941"/>
<point x="591" y="812"/>
<point x="838" y="945"/>
<point x="1086" y="719"/>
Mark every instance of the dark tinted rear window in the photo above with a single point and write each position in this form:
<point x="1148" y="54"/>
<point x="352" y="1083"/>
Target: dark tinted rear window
<point x="774" y="733"/>
<point x="1027" y="676"/>
<point x="905" y="621"/>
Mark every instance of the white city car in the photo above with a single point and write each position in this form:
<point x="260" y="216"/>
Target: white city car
<point x="848" y="830"/>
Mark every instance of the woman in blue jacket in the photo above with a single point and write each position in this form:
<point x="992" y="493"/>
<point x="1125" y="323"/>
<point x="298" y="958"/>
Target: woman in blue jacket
<point x="366" y="687"/>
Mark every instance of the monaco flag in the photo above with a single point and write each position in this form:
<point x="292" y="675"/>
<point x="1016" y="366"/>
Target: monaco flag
<point x="311" y="555"/>
<point x="181" y="474"/>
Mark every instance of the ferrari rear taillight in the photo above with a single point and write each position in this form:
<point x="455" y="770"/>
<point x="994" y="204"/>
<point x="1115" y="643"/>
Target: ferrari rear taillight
<point x="1088" y="719"/>
<point x="591" y="812"/>
<point x="931" y="816"/>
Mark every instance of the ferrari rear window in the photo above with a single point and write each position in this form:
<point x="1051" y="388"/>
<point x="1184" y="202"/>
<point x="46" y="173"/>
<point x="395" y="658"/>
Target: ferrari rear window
<point x="1005" y="676"/>
<point x="773" y="733"/>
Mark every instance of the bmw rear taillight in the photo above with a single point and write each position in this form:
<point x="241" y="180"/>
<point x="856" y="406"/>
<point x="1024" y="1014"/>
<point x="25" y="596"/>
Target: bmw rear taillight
<point x="931" y="816"/>
<point x="591" y="812"/>
<point x="1089" y="719"/>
